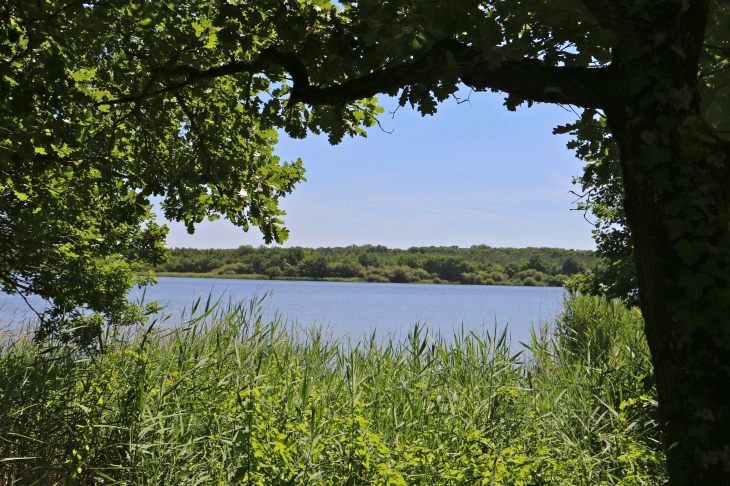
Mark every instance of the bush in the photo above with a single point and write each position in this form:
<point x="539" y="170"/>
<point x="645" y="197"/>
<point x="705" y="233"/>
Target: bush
<point x="273" y="272"/>
<point x="374" y="277"/>
<point x="535" y="277"/>
<point x="289" y="270"/>
<point x="420" y="274"/>
<point x="316" y="267"/>
<point x="400" y="275"/>
<point x="530" y="282"/>
<point x="234" y="269"/>
<point x="498" y="277"/>
<point x="556" y="280"/>
<point x="447" y="267"/>
<point x="470" y="278"/>
<point x="345" y="269"/>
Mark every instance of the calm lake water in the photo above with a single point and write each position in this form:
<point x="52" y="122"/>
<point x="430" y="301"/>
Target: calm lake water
<point x="356" y="309"/>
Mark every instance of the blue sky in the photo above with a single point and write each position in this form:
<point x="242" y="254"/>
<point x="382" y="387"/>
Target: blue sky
<point x="472" y="174"/>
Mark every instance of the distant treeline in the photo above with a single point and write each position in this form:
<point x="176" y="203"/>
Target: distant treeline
<point x="482" y="265"/>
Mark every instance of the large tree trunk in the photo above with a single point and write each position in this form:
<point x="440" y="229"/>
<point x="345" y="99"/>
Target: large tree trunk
<point x="678" y="212"/>
<point x="677" y="202"/>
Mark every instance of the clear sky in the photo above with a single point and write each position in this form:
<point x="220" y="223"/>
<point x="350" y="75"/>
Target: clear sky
<point x="472" y="174"/>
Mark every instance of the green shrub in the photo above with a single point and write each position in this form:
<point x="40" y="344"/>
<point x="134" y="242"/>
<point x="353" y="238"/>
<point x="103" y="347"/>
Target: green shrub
<point x="470" y="278"/>
<point x="374" y="277"/>
<point x="420" y="274"/>
<point x="498" y="277"/>
<point x="289" y="270"/>
<point x="345" y="269"/>
<point x="400" y="275"/>
<point x="274" y="272"/>
<point x="234" y="269"/>
<point x="531" y="273"/>
<point x="556" y="280"/>
<point x="316" y="267"/>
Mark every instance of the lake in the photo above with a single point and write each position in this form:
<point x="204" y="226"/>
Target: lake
<point x="356" y="309"/>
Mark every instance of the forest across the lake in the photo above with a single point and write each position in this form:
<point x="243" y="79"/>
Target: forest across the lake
<point x="476" y="265"/>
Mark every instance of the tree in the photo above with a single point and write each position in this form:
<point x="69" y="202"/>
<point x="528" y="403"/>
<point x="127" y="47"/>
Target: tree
<point x="614" y="277"/>
<point x="570" y="267"/>
<point x="77" y="174"/>
<point x="183" y="101"/>
<point x="314" y="267"/>
<point x="536" y="263"/>
<point x="368" y="259"/>
<point x="447" y="267"/>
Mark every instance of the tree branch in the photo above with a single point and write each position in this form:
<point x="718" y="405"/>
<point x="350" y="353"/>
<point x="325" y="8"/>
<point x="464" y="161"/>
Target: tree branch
<point x="193" y="75"/>
<point x="426" y="70"/>
<point x="532" y="81"/>
<point x="527" y="79"/>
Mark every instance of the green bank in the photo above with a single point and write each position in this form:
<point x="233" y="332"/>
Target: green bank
<point x="476" y="265"/>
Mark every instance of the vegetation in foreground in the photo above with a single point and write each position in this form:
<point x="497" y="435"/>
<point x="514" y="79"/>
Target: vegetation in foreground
<point x="479" y="264"/>
<point x="226" y="398"/>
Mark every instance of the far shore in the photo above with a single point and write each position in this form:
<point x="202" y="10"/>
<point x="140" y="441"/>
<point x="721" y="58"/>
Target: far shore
<point x="303" y="279"/>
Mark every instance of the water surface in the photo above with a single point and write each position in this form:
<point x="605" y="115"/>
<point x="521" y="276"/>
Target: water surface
<point x="356" y="309"/>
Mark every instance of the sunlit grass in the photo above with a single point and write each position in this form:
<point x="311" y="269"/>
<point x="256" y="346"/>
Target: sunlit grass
<point x="226" y="397"/>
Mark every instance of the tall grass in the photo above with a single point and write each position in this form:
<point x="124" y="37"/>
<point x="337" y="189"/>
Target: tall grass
<point x="229" y="398"/>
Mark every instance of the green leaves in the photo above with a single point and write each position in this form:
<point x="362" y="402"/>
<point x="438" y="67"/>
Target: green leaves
<point x="79" y="164"/>
<point x="103" y="105"/>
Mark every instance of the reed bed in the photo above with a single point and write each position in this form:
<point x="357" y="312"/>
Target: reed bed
<point x="226" y="397"/>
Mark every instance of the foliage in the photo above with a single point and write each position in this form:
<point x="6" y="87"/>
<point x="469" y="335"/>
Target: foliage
<point x="614" y="276"/>
<point x="227" y="398"/>
<point x="112" y="102"/>
<point x="78" y="170"/>
<point x="477" y="265"/>
<point x="601" y="182"/>
<point x="116" y="102"/>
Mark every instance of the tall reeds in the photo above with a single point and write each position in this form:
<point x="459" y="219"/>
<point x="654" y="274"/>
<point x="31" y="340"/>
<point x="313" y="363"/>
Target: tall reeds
<point x="226" y="397"/>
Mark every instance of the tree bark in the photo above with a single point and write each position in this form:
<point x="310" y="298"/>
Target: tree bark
<point x="677" y="201"/>
<point x="677" y="210"/>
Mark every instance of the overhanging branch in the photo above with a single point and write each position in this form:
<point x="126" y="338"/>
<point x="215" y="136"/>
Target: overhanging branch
<point x="530" y="80"/>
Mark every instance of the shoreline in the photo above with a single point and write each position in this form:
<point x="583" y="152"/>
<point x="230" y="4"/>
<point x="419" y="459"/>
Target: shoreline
<point x="326" y="279"/>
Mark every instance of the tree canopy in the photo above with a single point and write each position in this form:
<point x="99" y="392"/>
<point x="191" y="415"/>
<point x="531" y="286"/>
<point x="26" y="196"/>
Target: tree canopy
<point x="107" y="103"/>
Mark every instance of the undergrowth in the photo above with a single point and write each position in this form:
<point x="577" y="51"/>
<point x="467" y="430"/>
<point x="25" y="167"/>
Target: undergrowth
<point x="228" y="398"/>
